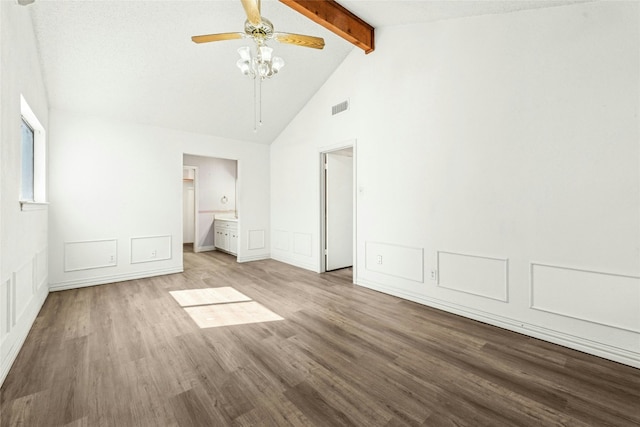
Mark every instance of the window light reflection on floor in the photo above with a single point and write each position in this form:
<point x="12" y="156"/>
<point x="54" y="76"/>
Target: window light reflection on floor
<point x="223" y="306"/>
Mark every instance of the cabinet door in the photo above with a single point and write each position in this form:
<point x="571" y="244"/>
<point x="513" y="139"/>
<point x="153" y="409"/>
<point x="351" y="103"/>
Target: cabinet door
<point x="216" y="237"/>
<point x="225" y="240"/>
<point x="219" y="240"/>
<point x="233" y="242"/>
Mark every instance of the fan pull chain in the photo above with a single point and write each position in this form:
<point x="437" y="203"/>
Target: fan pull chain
<point x="257" y="103"/>
<point x="260" y="95"/>
<point x="255" y="107"/>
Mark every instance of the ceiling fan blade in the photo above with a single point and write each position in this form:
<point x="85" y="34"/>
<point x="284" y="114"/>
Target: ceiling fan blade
<point x="300" y="40"/>
<point x="252" y="9"/>
<point x="206" y="38"/>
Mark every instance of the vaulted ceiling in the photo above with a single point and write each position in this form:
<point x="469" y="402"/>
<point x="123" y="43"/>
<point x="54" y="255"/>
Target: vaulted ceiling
<point x="135" y="61"/>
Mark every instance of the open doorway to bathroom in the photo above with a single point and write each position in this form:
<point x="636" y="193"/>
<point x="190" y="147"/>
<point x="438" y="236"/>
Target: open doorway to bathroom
<point x="338" y="207"/>
<point x="189" y="206"/>
<point x="209" y="201"/>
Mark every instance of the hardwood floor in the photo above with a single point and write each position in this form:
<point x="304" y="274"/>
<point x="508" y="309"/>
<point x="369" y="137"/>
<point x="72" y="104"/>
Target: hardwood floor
<point x="127" y="354"/>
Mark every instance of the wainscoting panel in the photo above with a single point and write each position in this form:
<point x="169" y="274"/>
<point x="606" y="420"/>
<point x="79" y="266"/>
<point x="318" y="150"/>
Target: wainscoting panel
<point x="587" y="295"/>
<point x="111" y="278"/>
<point x="256" y="239"/>
<point x="90" y="254"/>
<point x="19" y="306"/>
<point x="281" y="240"/>
<point x="21" y="297"/>
<point x="41" y="269"/>
<point x="483" y="276"/>
<point x="394" y="260"/>
<point x="5" y="305"/>
<point x="23" y="289"/>
<point x="302" y="244"/>
<point x="150" y="248"/>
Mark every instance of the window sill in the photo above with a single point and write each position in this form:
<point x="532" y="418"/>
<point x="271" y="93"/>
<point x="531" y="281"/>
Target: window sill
<point x="33" y="206"/>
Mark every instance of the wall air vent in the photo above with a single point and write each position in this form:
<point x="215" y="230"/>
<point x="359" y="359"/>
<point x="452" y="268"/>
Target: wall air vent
<point x="339" y="108"/>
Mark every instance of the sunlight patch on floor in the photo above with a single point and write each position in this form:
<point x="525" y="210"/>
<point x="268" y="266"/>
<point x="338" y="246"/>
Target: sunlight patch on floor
<point x="191" y="297"/>
<point x="240" y="313"/>
<point x="223" y="306"/>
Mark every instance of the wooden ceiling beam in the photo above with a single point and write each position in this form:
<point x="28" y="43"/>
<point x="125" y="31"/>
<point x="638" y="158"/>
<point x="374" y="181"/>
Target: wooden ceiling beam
<point x="336" y="19"/>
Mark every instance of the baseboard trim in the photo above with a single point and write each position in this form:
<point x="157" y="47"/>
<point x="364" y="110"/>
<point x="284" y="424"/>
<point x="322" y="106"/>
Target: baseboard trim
<point x="20" y="333"/>
<point x="204" y="249"/>
<point x="566" y="340"/>
<point x="254" y="258"/>
<point x="296" y="263"/>
<point x="103" y="280"/>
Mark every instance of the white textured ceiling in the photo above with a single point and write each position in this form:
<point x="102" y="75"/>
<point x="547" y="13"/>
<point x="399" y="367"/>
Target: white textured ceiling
<point x="134" y="60"/>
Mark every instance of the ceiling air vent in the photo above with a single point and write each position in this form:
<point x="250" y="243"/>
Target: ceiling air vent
<point x="339" y="108"/>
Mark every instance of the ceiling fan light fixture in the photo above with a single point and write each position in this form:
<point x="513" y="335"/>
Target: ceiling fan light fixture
<point x="263" y="65"/>
<point x="277" y="63"/>
<point x="244" y="66"/>
<point x="245" y="53"/>
<point x="264" y="71"/>
<point x="265" y="53"/>
<point x="259" y="66"/>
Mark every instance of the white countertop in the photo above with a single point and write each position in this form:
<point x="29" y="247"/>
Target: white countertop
<point x="232" y="219"/>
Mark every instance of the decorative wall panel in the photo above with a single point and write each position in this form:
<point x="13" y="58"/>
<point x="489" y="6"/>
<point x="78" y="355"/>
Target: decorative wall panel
<point x="41" y="269"/>
<point x="256" y="239"/>
<point x="281" y="240"/>
<point x="90" y="254"/>
<point x="395" y="260"/>
<point x="150" y="249"/>
<point x="302" y="244"/>
<point x="474" y="274"/>
<point x="594" y="296"/>
<point x="23" y="289"/>
<point x="5" y="304"/>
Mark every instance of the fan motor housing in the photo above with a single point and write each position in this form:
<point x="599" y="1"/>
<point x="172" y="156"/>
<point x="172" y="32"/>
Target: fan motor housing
<point x="264" y="30"/>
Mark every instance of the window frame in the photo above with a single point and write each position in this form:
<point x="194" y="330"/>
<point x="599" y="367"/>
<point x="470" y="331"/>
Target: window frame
<point x="39" y="160"/>
<point x="31" y="196"/>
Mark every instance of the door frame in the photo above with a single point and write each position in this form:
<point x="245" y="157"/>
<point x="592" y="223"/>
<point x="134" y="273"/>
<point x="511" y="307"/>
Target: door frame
<point x="322" y="266"/>
<point x="196" y="247"/>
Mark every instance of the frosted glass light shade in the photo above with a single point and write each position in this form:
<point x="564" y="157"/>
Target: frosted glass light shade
<point x="244" y="66"/>
<point x="277" y="63"/>
<point x="263" y="70"/>
<point x="245" y="53"/>
<point x="265" y="53"/>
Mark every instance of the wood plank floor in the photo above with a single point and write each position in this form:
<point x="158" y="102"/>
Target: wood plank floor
<point x="127" y="354"/>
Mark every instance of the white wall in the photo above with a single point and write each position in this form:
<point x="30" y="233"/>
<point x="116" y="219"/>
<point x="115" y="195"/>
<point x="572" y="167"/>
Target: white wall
<point x="216" y="179"/>
<point x="116" y="198"/>
<point x="23" y="251"/>
<point x="501" y="153"/>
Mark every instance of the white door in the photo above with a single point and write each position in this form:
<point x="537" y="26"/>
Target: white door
<point x="339" y="209"/>
<point x="188" y="212"/>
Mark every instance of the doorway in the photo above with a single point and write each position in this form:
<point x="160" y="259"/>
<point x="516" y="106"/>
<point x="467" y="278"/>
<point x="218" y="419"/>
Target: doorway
<point x="189" y="205"/>
<point x="338" y="207"/>
<point x="209" y="195"/>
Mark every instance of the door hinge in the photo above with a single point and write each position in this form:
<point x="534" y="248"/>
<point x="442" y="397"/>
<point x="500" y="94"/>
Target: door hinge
<point x="326" y="252"/>
<point x="326" y="166"/>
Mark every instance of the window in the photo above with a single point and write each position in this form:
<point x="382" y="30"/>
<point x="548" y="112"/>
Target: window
<point x="26" y="191"/>
<point x="33" y="163"/>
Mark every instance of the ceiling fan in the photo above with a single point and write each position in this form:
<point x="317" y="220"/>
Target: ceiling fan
<point x="260" y="30"/>
<point x="262" y="65"/>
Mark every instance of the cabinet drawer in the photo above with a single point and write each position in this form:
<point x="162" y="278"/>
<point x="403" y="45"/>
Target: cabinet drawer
<point x="229" y="225"/>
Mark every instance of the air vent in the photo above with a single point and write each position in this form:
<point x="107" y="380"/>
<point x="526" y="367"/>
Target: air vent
<point x="339" y="108"/>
